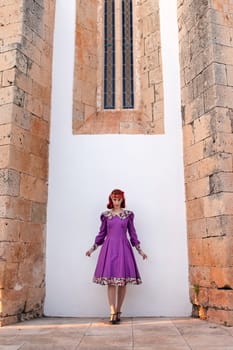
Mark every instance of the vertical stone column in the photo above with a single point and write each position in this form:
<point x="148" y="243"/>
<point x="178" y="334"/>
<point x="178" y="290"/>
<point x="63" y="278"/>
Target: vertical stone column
<point x="25" y="76"/>
<point x="151" y="64"/>
<point x="206" y="59"/>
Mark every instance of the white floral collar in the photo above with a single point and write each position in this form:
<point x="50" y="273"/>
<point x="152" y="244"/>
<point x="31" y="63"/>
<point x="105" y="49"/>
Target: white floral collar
<point x="122" y="215"/>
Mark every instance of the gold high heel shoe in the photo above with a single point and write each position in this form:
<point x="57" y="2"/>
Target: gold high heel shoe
<point x="113" y="319"/>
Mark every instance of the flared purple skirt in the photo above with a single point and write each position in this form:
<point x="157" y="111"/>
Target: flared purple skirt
<point x="116" y="264"/>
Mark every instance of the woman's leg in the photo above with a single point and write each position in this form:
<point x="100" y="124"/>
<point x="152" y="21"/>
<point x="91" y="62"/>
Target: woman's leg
<point x="112" y="298"/>
<point x="120" y="297"/>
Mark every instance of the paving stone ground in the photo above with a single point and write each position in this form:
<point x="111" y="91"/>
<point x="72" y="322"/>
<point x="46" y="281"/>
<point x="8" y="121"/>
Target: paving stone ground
<point x="131" y="334"/>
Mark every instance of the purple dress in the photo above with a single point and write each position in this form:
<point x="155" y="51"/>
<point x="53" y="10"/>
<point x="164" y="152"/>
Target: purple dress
<point x="116" y="263"/>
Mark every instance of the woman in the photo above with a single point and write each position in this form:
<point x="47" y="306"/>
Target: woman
<point x="116" y="265"/>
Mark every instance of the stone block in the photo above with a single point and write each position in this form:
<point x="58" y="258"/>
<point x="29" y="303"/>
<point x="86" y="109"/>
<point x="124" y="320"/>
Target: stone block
<point x="33" y="105"/>
<point x="40" y="92"/>
<point x="4" y="156"/>
<point x="213" y="74"/>
<point x="31" y="233"/>
<point x="35" y="299"/>
<point x="222" y="35"/>
<point x="12" y="13"/>
<point x="221" y="299"/>
<point x="21" y="117"/>
<point x="199" y="276"/>
<point x="40" y="128"/>
<point x="223" y="54"/>
<point x="15" y="301"/>
<point x="196" y="252"/>
<point x="219" y="226"/>
<point x="203" y="127"/>
<point x="88" y="93"/>
<point x="9" y="182"/>
<point x="7" y="60"/>
<point x="5" y="134"/>
<point x="223" y="143"/>
<point x="7" y="320"/>
<point x="155" y="76"/>
<point x="218" y="251"/>
<point x="15" y="208"/>
<point x="223" y="119"/>
<point x="221" y="277"/>
<point x="201" y="298"/>
<point x="12" y="252"/>
<point x="11" y="275"/>
<point x="197" y="228"/>
<point x="9" y="230"/>
<point x="39" y="147"/>
<point x="229" y="70"/>
<point x="19" y="159"/>
<point x="2" y="274"/>
<point x="30" y="51"/>
<point x="217" y="163"/>
<point x="34" y="71"/>
<point x="188" y="136"/>
<point x="218" y="204"/>
<point x="89" y="111"/>
<point x="20" y="138"/>
<point x="220" y="316"/>
<point x="198" y="188"/>
<point x="34" y="276"/>
<point x="152" y="43"/>
<point x="6" y="113"/>
<point x="19" y="96"/>
<point x="158" y="110"/>
<point x="87" y="15"/>
<point x="24" y="82"/>
<point x="33" y="189"/>
<point x="38" y="213"/>
<point x="221" y="18"/>
<point x="220" y="74"/>
<point x="38" y="167"/>
<point x="210" y="98"/>
<point x="145" y="81"/>
<point x="221" y="182"/>
<point x="8" y="77"/>
<point x="7" y="95"/>
<point x="150" y="62"/>
<point x="194" y="153"/>
<point x="224" y="96"/>
<point x="150" y="24"/>
<point x="33" y="22"/>
<point x="193" y="109"/>
<point x="21" y="62"/>
<point x="195" y="209"/>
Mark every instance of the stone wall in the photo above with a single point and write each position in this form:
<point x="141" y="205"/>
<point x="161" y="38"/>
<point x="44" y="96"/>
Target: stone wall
<point x="206" y="58"/>
<point x="26" y="35"/>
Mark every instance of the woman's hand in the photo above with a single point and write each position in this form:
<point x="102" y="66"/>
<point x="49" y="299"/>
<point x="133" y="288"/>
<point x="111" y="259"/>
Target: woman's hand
<point x="141" y="252"/>
<point x="144" y="256"/>
<point x="91" y="250"/>
<point x="88" y="253"/>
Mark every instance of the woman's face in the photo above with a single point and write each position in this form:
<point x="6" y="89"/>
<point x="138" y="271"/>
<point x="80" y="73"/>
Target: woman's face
<point x="116" y="201"/>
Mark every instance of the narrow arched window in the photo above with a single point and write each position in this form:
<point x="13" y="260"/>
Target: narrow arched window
<point x="119" y="11"/>
<point x="127" y="54"/>
<point x="109" y="54"/>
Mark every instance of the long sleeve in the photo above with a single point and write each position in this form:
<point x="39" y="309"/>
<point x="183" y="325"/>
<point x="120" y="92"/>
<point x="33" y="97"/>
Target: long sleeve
<point x="132" y="232"/>
<point x="99" y="240"/>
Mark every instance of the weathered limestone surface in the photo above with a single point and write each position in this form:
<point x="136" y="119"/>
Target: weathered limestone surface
<point x="206" y="58"/>
<point x="26" y="31"/>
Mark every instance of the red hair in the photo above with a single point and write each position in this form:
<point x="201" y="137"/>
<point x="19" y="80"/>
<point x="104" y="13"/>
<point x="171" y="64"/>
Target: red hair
<point x="117" y="193"/>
